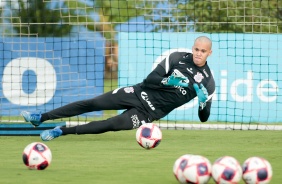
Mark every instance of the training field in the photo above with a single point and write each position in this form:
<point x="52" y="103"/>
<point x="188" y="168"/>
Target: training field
<point x="116" y="158"/>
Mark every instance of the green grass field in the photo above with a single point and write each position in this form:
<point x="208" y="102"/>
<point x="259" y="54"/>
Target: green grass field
<point x="116" y="158"/>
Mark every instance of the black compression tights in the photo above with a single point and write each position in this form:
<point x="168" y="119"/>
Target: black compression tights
<point x="107" y="101"/>
<point x="96" y="127"/>
<point x="128" y="120"/>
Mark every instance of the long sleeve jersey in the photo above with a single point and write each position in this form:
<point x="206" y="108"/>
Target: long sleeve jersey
<point x="159" y="100"/>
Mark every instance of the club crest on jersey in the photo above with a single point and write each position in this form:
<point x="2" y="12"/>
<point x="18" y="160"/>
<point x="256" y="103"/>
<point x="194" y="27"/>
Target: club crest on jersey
<point x="198" y="77"/>
<point x="129" y="90"/>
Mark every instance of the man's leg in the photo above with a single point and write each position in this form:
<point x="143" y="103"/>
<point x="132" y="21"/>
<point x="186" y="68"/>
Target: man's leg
<point x="130" y="119"/>
<point x="108" y="101"/>
<point x="115" y="100"/>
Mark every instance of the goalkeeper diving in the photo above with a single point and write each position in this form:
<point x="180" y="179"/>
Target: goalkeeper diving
<point x="176" y="80"/>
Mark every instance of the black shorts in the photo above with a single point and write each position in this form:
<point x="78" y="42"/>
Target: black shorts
<point x="131" y="119"/>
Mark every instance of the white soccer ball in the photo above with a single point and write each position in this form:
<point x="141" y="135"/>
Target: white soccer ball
<point x="257" y="170"/>
<point x="192" y="169"/>
<point x="148" y="135"/>
<point x="37" y="156"/>
<point x="226" y="170"/>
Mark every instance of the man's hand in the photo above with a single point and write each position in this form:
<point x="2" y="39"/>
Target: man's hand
<point x="174" y="80"/>
<point x="202" y="94"/>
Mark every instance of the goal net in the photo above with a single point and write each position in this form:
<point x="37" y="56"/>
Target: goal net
<point x="54" y="52"/>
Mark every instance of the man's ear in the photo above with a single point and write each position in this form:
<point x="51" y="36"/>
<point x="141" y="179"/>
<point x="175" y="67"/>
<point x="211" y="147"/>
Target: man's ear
<point x="210" y="52"/>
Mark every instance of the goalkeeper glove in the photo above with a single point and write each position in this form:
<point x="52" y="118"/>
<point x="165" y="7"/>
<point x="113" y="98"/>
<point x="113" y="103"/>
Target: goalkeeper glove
<point x="202" y="94"/>
<point x="175" y="81"/>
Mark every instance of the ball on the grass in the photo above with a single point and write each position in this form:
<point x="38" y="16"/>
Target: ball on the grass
<point x="192" y="169"/>
<point x="148" y="135"/>
<point x="37" y="156"/>
<point x="257" y="170"/>
<point x="226" y="170"/>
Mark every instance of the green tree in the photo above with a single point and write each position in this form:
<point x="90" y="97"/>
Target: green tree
<point x="111" y="13"/>
<point x="47" y="18"/>
<point x="39" y="18"/>
<point x="59" y="18"/>
<point x="256" y="16"/>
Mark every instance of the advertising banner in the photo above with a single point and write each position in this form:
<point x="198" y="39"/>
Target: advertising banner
<point x="246" y="68"/>
<point x="40" y="74"/>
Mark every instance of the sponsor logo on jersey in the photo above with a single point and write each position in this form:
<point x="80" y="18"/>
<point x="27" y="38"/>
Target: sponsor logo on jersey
<point x="190" y="70"/>
<point x="129" y="90"/>
<point x="181" y="89"/>
<point x="145" y="97"/>
<point x="182" y="63"/>
<point x="207" y="75"/>
<point x="135" y="121"/>
<point x="198" y="77"/>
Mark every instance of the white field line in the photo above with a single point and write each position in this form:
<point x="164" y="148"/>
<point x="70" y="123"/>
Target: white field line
<point x="202" y="126"/>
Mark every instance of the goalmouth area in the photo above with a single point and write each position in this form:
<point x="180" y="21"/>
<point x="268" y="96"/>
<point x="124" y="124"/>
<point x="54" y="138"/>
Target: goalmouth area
<point x="73" y="50"/>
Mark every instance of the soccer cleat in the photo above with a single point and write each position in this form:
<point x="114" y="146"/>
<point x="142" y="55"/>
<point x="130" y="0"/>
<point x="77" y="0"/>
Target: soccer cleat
<point x="48" y="135"/>
<point x="33" y="118"/>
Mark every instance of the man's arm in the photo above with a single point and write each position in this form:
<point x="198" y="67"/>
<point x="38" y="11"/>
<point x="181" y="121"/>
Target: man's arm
<point x="163" y="68"/>
<point x="174" y="79"/>
<point x="205" y="112"/>
<point x="204" y="100"/>
<point x="156" y="76"/>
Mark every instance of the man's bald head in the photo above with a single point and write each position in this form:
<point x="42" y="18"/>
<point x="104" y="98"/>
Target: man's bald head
<point x="204" y="39"/>
<point x="201" y="50"/>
